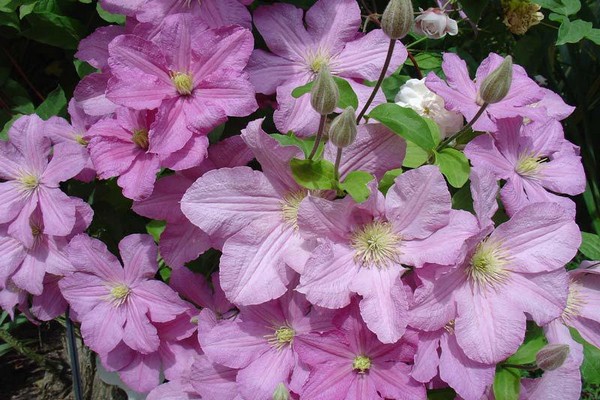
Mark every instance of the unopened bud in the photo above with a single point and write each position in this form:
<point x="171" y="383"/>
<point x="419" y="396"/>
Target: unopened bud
<point x="496" y="85"/>
<point x="281" y="393"/>
<point x="342" y="132"/>
<point x="552" y="356"/>
<point x="324" y="94"/>
<point x="397" y="19"/>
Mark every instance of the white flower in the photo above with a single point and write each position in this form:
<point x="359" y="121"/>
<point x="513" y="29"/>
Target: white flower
<point x="435" y="23"/>
<point x="414" y="94"/>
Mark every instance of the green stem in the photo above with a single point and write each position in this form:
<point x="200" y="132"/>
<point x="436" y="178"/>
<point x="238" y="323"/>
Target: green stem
<point x="386" y="65"/>
<point x="338" y="160"/>
<point x="447" y="141"/>
<point x="319" y="137"/>
<point x="529" y="367"/>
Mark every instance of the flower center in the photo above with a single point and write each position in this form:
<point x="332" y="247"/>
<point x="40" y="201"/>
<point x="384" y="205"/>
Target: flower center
<point x="376" y="244"/>
<point x="361" y="364"/>
<point x="487" y="264"/>
<point x="450" y="327"/>
<point x="79" y="139"/>
<point x="119" y="294"/>
<point x="183" y="83"/>
<point x="290" y="205"/>
<point x="317" y="60"/>
<point x="140" y="138"/>
<point x="36" y="231"/>
<point x="30" y="182"/>
<point x="574" y="302"/>
<point x="529" y="165"/>
<point x="283" y="336"/>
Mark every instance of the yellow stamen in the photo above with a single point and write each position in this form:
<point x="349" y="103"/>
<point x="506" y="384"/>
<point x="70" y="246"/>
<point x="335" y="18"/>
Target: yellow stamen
<point x="376" y="244"/>
<point x="289" y="207"/>
<point x="487" y="264"/>
<point x="184" y="83"/>
<point x="574" y="302"/>
<point x="140" y="138"/>
<point x="119" y="294"/>
<point x="361" y="364"/>
<point x="283" y="336"/>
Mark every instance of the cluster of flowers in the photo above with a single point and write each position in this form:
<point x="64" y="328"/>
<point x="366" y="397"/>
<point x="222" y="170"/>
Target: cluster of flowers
<point x="318" y="296"/>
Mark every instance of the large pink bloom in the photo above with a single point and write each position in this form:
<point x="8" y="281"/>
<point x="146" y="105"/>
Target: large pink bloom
<point x="351" y="364"/>
<point x="32" y="171"/>
<point x="119" y="304"/>
<point x="329" y="36"/>
<point x="364" y="246"/>
<point x="535" y="161"/>
<point x="192" y="74"/>
<point x="260" y="343"/>
<point x="460" y="92"/>
<point x="505" y="273"/>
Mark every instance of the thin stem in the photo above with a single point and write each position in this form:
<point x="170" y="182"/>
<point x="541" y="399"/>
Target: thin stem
<point x="408" y="46"/>
<point x="464" y="129"/>
<point x="530" y="367"/>
<point x="338" y="160"/>
<point x="319" y="137"/>
<point x="15" y="64"/>
<point x="72" y="348"/>
<point x="386" y="65"/>
<point x="416" y="65"/>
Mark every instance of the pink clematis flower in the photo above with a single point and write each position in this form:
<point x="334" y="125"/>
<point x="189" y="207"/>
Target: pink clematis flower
<point x="460" y="92"/>
<point x="32" y="171"/>
<point x="260" y="343"/>
<point x="191" y="74"/>
<point x="364" y="246"/>
<point x="350" y="363"/>
<point x="504" y="274"/>
<point x="119" y="304"/>
<point x="535" y="161"/>
<point x="328" y="37"/>
<point x="563" y="383"/>
<point x="440" y="350"/>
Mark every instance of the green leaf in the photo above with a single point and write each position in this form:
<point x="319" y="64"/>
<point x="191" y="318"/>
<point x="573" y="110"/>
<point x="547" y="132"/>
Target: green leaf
<point x="573" y="32"/>
<point x="406" y="123"/>
<point x="55" y="30"/>
<point x="83" y="68"/>
<point x="155" y="228"/>
<point x="454" y="165"/>
<point x="388" y="180"/>
<point x="305" y="145"/>
<point x="427" y="61"/>
<point x="347" y="96"/>
<point x="594" y="36"/>
<point x="109" y="17"/>
<point x="462" y="199"/>
<point x="590" y="246"/>
<point x="10" y="19"/>
<point x="565" y="7"/>
<point x="7" y="125"/>
<point x="55" y="104"/>
<point x="590" y="369"/>
<point x="507" y="384"/>
<point x="534" y="341"/>
<point x="355" y="184"/>
<point x="415" y="156"/>
<point x="314" y="174"/>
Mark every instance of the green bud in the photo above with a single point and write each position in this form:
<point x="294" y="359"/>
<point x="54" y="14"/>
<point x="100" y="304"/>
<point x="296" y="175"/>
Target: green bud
<point x="496" y="85"/>
<point x="324" y="94"/>
<point x="281" y="393"/>
<point x="342" y="132"/>
<point x="397" y="19"/>
<point x="552" y="356"/>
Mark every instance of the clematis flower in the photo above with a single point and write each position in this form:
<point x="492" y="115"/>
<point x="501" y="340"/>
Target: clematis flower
<point x="439" y="350"/>
<point x="350" y="363"/>
<point x="535" y="161"/>
<point x="563" y="383"/>
<point x="60" y="131"/>
<point x="119" y="304"/>
<point x="32" y="180"/>
<point x="328" y="37"/>
<point x="191" y="74"/>
<point x="364" y="247"/>
<point x="505" y="273"/>
<point x="414" y="94"/>
<point x="581" y="312"/>
<point x="460" y="92"/>
<point x="260" y="343"/>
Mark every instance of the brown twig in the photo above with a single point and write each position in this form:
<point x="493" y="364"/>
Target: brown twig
<point x="23" y="75"/>
<point x="416" y="65"/>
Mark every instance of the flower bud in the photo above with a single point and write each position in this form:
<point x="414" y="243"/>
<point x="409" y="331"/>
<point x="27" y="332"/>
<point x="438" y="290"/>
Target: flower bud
<point x="397" y="19"/>
<point x="496" y="85"/>
<point x="342" y="132"/>
<point x="435" y="23"/>
<point x="281" y="393"/>
<point x="324" y="94"/>
<point x="552" y="356"/>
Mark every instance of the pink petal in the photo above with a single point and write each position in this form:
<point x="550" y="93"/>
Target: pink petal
<point x="143" y="373"/>
<point x="213" y="381"/>
<point x="57" y="210"/>
<point x="268" y="71"/>
<point x="295" y="115"/>
<point x="182" y="242"/>
<point x="102" y="327"/>
<point x="138" y="332"/>
<point x="332" y="23"/>
<point x="260" y="379"/>
<point x="67" y="161"/>
<point x="139" y="254"/>
<point x="138" y="181"/>
<point x="427" y="358"/>
<point x="83" y="291"/>
<point x="161" y="301"/>
<point x="91" y="256"/>
<point x="12" y="201"/>
<point x="27" y="135"/>
<point x="394" y="381"/>
<point x="90" y="94"/>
